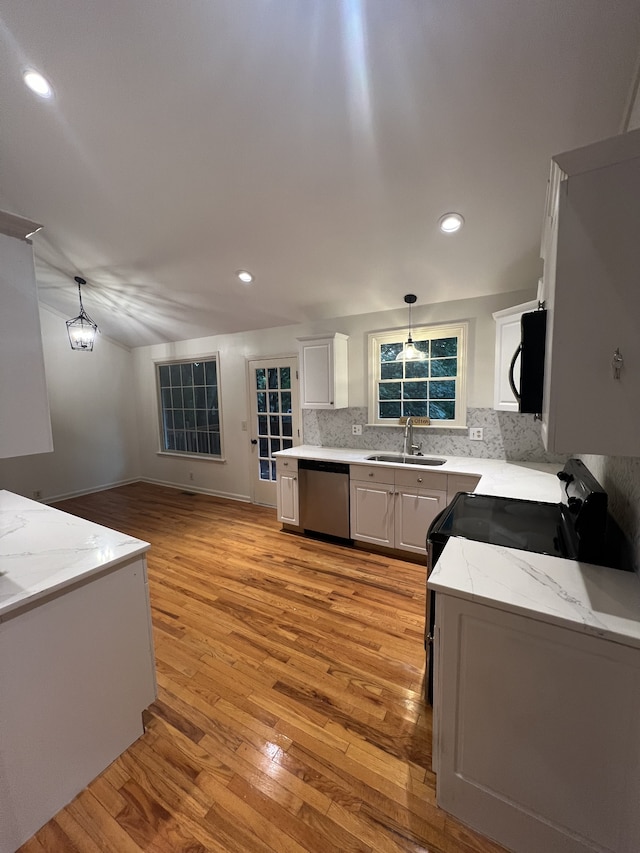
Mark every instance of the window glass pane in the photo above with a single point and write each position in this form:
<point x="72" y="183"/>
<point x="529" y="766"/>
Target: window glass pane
<point x="273" y="377"/>
<point x="214" y="443"/>
<point x="444" y="367"/>
<point x="444" y="346"/>
<point x="168" y="419"/>
<point x="188" y="398"/>
<point x="198" y="373"/>
<point x="286" y="401"/>
<point x="287" y="425"/>
<point x="200" y="397"/>
<point x="414" y="391"/>
<point x="186" y="371"/>
<point x="262" y="401"/>
<point x="261" y="379"/>
<point x="213" y="419"/>
<point x="417" y="408"/>
<point x="442" y="410"/>
<point x="274" y="424"/>
<point x="391" y="370"/>
<point x="202" y="421"/>
<point x="166" y="398"/>
<point x="203" y="442"/>
<point x="174" y="370"/>
<point x="416" y="369"/>
<point x="262" y="425"/>
<point x="389" y="410"/>
<point x="212" y="398"/>
<point x="178" y="419"/>
<point x="189" y="419"/>
<point x="171" y="440"/>
<point x="180" y="440"/>
<point x="176" y="398"/>
<point x="163" y="372"/>
<point x="274" y="401"/>
<point x="388" y="352"/>
<point x="439" y="390"/>
<point x="389" y="390"/>
<point x="285" y="377"/>
<point x="264" y="447"/>
<point x="210" y="373"/>
<point x="265" y="469"/>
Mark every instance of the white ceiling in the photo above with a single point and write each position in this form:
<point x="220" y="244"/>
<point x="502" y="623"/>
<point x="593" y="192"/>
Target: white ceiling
<point x="313" y="142"/>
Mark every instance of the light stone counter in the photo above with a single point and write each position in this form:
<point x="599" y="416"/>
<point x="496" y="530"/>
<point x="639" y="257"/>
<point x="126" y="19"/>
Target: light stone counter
<point x="529" y="480"/>
<point x="592" y="599"/>
<point x="43" y="550"/>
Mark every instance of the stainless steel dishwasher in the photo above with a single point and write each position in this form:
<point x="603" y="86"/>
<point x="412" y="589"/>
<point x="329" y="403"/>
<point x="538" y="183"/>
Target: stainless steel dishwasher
<point x="324" y="497"/>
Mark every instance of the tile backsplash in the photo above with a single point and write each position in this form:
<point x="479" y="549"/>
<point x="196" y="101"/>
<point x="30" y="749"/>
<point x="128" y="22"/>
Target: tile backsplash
<point x="507" y="435"/>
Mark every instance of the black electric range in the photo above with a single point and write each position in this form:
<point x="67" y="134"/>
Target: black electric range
<point x="574" y="529"/>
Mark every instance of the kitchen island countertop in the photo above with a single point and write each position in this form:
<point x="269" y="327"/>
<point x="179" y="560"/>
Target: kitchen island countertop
<point x="43" y="550"/>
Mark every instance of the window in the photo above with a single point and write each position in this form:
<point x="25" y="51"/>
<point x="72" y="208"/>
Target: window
<point x="189" y="398"/>
<point x="432" y="388"/>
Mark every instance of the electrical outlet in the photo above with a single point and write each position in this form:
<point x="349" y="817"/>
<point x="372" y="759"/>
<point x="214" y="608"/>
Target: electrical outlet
<point x="476" y="434"/>
<point x="191" y="475"/>
<point x="37" y="495"/>
<point x="356" y="429"/>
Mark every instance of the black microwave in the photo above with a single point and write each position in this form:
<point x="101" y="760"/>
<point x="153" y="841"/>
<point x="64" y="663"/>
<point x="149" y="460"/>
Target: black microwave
<point x="531" y="350"/>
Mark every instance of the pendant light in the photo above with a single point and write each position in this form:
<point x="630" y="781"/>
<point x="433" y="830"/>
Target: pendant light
<point x="409" y="351"/>
<point x="82" y="330"/>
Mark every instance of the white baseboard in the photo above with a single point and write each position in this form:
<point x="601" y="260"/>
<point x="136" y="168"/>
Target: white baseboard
<point x="68" y="495"/>
<point x="189" y="487"/>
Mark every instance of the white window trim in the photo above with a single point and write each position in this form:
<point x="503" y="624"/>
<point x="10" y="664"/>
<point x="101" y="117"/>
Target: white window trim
<point x="459" y="330"/>
<point x="181" y="359"/>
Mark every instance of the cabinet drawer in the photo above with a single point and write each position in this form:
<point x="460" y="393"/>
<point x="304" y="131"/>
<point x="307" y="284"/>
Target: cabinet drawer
<point x="286" y="466"/>
<point x="421" y="479"/>
<point x="372" y="474"/>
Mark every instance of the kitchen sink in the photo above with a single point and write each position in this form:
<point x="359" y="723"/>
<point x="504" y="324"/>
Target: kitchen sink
<point x="405" y="460"/>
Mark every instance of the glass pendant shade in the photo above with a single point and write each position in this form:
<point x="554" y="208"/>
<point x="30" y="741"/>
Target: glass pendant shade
<point x="81" y="329"/>
<point x="410" y="351"/>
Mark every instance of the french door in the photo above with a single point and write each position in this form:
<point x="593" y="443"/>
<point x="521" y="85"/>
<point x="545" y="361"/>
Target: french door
<point x="275" y="420"/>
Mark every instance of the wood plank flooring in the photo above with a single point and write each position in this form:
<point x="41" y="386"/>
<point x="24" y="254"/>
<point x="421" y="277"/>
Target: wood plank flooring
<point x="290" y="714"/>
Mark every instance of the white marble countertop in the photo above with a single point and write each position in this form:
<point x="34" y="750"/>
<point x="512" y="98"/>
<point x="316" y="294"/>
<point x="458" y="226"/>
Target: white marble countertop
<point x="43" y="550"/>
<point x="528" y="480"/>
<point x="592" y="599"/>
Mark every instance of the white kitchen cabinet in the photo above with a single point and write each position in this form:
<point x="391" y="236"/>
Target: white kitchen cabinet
<point x="324" y="372"/>
<point x="394" y="507"/>
<point x="25" y="424"/>
<point x="287" y="491"/>
<point x="507" y="341"/>
<point x="460" y="483"/>
<point x="535" y="731"/>
<point x="591" y="260"/>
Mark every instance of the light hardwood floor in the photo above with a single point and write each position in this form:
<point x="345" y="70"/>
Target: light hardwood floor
<point x="290" y="714"/>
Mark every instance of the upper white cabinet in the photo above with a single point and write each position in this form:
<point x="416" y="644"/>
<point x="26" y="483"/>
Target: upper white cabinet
<point x="591" y="250"/>
<point x="25" y="425"/>
<point x="507" y="342"/>
<point x="325" y="375"/>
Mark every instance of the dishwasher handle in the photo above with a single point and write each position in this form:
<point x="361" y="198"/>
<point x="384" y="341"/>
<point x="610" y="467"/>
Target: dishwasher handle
<point x="323" y="465"/>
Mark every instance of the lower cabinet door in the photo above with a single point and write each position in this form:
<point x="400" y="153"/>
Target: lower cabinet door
<point x="415" y="509"/>
<point x="372" y="512"/>
<point x="288" y="511"/>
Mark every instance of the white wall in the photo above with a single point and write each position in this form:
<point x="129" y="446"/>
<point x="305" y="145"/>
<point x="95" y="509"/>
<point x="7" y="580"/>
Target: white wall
<point x="232" y="477"/>
<point x="93" y="419"/>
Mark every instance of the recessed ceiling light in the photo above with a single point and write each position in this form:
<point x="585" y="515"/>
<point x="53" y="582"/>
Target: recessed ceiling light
<point x="450" y="223"/>
<point x="245" y="276"/>
<point x="37" y="83"/>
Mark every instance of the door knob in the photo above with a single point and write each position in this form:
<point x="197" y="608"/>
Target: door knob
<point x="254" y="441"/>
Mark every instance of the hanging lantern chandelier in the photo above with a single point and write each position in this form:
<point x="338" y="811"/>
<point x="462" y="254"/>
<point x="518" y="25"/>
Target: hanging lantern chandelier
<point x="410" y="351"/>
<point x="82" y="330"/>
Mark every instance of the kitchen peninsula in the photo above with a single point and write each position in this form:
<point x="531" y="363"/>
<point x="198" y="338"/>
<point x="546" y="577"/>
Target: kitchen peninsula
<point x="76" y="658"/>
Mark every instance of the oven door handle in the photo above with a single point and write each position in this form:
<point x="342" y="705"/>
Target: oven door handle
<point x="512" y="367"/>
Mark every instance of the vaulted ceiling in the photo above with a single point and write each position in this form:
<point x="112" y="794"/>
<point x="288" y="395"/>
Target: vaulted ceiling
<point x="315" y="143"/>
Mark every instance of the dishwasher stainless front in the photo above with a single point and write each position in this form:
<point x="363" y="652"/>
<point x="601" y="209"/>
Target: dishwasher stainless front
<point x="324" y="497"/>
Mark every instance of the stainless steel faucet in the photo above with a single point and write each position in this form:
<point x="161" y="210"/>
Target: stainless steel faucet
<point x="409" y="447"/>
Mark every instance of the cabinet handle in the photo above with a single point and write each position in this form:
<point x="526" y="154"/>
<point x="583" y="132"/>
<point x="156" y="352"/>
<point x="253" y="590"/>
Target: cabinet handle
<point x="371" y="473"/>
<point x="286" y="464"/>
<point x="419" y="479"/>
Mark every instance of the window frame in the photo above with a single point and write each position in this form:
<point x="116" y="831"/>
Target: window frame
<point x="459" y="330"/>
<point x="188" y="359"/>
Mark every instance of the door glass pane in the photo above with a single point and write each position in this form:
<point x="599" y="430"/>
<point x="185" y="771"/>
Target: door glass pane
<point x="264" y="447"/>
<point x="274" y="401"/>
<point x="287" y="425"/>
<point x="286" y="401"/>
<point x="265" y="468"/>
<point x="262" y="425"/>
<point x="262" y="401"/>
<point x="274" y="424"/>
<point x="273" y="377"/>
<point x="285" y="378"/>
